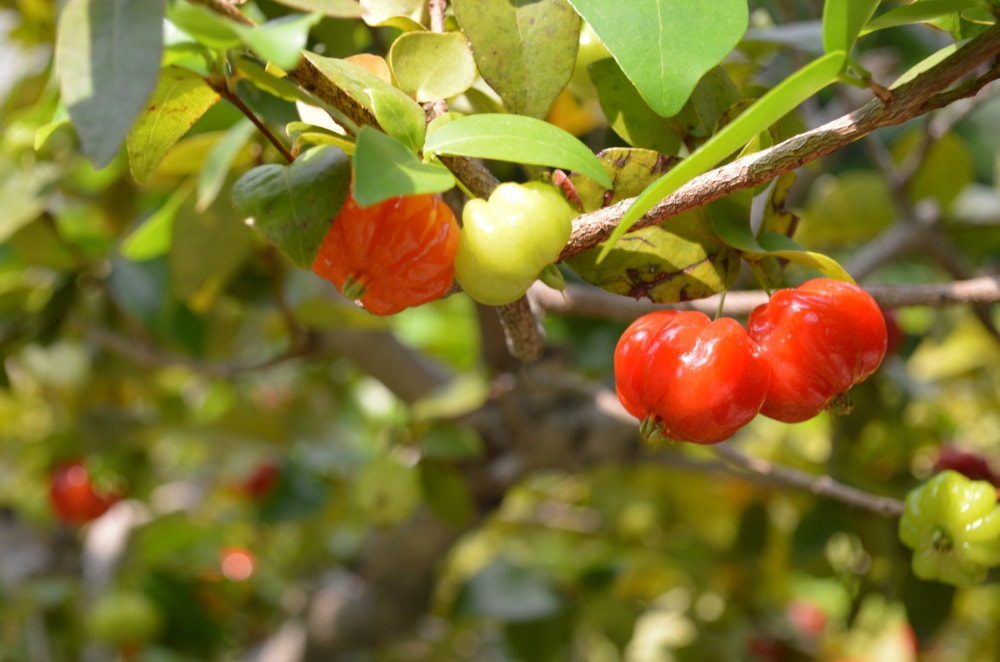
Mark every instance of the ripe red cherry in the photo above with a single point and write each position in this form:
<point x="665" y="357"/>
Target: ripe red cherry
<point x="73" y="497"/>
<point x="820" y="339"/>
<point x="969" y="464"/>
<point x="689" y="378"/>
<point x="392" y="255"/>
<point x="261" y="481"/>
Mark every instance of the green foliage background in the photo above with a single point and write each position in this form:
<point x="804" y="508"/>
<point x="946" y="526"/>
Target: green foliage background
<point x="145" y="328"/>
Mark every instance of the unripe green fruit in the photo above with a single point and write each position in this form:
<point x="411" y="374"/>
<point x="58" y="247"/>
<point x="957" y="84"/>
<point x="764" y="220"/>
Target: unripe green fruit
<point x="507" y="240"/>
<point x="124" y="619"/>
<point x="953" y="526"/>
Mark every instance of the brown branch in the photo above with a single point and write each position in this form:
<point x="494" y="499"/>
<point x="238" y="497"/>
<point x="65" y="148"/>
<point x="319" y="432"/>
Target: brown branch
<point x="587" y="301"/>
<point x="819" y="485"/>
<point x="525" y="338"/>
<point x="921" y="95"/>
<point x="403" y="370"/>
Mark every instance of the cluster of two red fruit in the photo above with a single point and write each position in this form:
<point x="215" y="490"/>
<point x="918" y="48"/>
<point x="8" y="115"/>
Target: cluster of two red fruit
<point x="693" y="379"/>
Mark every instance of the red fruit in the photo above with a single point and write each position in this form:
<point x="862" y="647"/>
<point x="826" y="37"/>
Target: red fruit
<point x="820" y="339"/>
<point x="392" y="255"/>
<point x="260" y="483"/>
<point x="808" y="618"/>
<point x="971" y="465"/>
<point x="73" y="496"/>
<point x="690" y="378"/>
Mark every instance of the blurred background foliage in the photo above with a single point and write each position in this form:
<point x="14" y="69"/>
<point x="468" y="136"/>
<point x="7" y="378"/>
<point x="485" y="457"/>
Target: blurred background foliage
<point x="145" y="355"/>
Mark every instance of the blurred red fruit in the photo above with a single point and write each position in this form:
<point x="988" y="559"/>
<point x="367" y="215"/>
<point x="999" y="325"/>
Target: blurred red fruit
<point x="969" y="464"/>
<point x="807" y="617"/>
<point x="73" y="497"/>
<point x="260" y="483"/>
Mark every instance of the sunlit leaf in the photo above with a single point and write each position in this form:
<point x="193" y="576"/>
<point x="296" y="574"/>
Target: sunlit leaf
<point x="107" y="57"/>
<point x="387" y="489"/>
<point x="402" y="14"/>
<point x="525" y="49"/>
<point x="429" y="65"/>
<point x="181" y="97"/>
<point x="334" y="8"/>
<point x="385" y="168"/>
<point x="219" y="162"/>
<point x="399" y="115"/>
<point x="515" y="138"/>
<point x="629" y="114"/>
<point x="665" y="47"/>
<point x="279" y="41"/>
<point x="152" y="238"/>
<point x="292" y="206"/>
<point x="784" y="247"/>
<point x="917" y="12"/>
<point x="842" y="22"/>
<point x="771" y="107"/>
<point x="206" y="249"/>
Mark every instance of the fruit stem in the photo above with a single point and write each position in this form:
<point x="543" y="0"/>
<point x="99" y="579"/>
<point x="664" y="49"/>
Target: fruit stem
<point x="353" y="288"/>
<point x="722" y="304"/>
<point x="759" y="275"/>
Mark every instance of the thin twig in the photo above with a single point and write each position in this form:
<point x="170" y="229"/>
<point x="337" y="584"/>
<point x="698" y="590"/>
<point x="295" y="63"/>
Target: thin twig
<point x="819" y="485"/>
<point x="223" y="89"/>
<point x="587" y="301"/>
<point x="148" y="356"/>
<point x="912" y="99"/>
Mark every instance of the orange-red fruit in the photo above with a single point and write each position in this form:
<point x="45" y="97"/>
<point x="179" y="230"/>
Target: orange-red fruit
<point x="73" y="497"/>
<point x="820" y="338"/>
<point x="694" y="379"/>
<point x="392" y="255"/>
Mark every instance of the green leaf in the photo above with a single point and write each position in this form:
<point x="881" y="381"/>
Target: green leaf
<point x="847" y="209"/>
<point x="261" y="78"/>
<point x="181" y="97"/>
<point x="449" y="441"/>
<point x="765" y="111"/>
<point x="334" y="8"/>
<point x="107" y="59"/>
<point x="525" y="49"/>
<point x="842" y="22"/>
<point x="927" y="63"/>
<point x="384" y="168"/>
<point x="731" y="221"/>
<point x="784" y="247"/>
<point x="292" y="206"/>
<point x="206" y="249"/>
<point x="204" y="26"/>
<point x="220" y="159"/>
<point x="680" y="260"/>
<point x="515" y="138"/>
<point x="630" y="169"/>
<point x="395" y="117"/>
<point x="152" y="238"/>
<point x="405" y="15"/>
<point x="388" y="489"/>
<point x="917" y="12"/>
<point x="447" y="493"/>
<point x="430" y="65"/>
<point x="399" y="115"/>
<point x="628" y="113"/>
<point x="279" y="41"/>
<point x="21" y="191"/>
<point x="665" y="47"/>
<point x="945" y="168"/>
